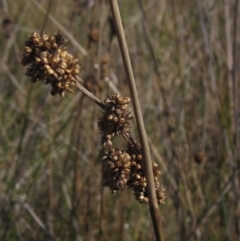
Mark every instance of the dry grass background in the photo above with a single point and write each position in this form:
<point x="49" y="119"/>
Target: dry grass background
<point x="185" y="60"/>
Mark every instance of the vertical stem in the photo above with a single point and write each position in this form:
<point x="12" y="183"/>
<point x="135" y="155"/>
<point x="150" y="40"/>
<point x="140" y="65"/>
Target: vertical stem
<point x="235" y="63"/>
<point x="153" y="205"/>
<point x="234" y="70"/>
<point x="101" y="218"/>
<point x="229" y="62"/>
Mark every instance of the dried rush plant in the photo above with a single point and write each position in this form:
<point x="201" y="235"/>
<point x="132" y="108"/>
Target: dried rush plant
<point x="49" y="62"/>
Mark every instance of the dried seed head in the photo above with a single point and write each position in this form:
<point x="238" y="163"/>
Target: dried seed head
<point x="137" y="180"/>
<point x="94" y="35"/>
<point x="48" y="61"/>
<point x="115" y="119"/>
<point x="116" y="169"/>
<point x="160" y="192"/>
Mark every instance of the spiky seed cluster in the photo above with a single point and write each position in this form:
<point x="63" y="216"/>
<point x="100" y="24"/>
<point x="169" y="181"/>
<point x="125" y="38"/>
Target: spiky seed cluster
<point x="115" y="119"/>
<point x="116" y="169"/>
<point x="137" y="180"/>
<point x="123" y="168"/>
<point x="48" y="61"/>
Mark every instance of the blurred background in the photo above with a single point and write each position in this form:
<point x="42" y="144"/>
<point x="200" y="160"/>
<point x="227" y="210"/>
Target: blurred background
<point x="185" y="58"/>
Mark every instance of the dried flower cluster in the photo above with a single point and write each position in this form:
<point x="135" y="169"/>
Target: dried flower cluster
<point x="123" y="168"/>
<point x="137" y="181"/>
<point x="94" y="35"/>
<point x="48" y="61"/>
<point x="115" y="119"/>
<point x="116" y="169"/>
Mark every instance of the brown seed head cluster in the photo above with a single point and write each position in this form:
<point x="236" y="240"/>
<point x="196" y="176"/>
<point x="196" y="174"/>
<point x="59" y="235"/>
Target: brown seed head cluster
<point x="137" y="180"/>
<point x="116" y="169"/>
<point x="48" y="61"/>
<point x="115" y="119"/>
<point x="124" y="168"/>
<point x="94" y="35"/>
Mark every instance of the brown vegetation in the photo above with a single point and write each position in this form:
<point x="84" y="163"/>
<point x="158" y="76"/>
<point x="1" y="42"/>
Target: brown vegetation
<point x="184" y="56"/>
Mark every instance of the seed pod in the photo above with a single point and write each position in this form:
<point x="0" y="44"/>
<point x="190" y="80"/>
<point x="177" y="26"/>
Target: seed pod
<point x="115" y="169"/>
<point x="48" y="61"/>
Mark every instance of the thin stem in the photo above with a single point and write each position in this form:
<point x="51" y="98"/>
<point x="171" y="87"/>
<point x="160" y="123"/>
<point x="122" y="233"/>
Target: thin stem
<point x="234" y="70"/>
<point x="153" y="205"/>
<point x="213" y="206"/>
<point x="89" y="94"/>
<point x="147" y="37"/>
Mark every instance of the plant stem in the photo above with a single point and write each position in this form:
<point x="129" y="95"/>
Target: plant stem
<point x="89" y="94"/>
<point x="153" y="205"/>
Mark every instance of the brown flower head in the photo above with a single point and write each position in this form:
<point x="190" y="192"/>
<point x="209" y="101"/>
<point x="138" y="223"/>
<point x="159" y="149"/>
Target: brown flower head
<point x="94" y="35"/>
<point x="137" y="180"/>
<point x="115" y="119"/>
<point x="48" y="61"/>
<point x="116" y="169"/>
